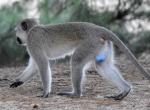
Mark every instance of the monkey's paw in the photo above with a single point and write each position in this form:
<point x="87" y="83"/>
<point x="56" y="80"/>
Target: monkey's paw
<point x="70" y="94"/>
<point x="16" y="84"/>
<point x="119" y="96"/>
<point x="45" y="95"/>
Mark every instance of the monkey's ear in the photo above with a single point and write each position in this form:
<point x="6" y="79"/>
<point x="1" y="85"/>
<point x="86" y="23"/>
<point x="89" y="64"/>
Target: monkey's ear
<point x="24" y="25"/>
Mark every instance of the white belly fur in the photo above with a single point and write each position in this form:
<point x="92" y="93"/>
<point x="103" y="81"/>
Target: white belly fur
<point x="59" y="53"/>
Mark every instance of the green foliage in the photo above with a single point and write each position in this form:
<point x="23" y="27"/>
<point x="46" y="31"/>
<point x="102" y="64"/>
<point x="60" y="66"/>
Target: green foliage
<point x="87" y="14"/>
<point x="10" y="15"/>
<point x="59" y="11"/>
<point x="142" y="43"/>
<point x="121" y="32"/>
<point x="56" y="11"/>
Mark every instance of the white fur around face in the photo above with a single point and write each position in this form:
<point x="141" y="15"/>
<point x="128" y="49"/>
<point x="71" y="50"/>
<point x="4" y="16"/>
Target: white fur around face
<point x="21" y="34"/>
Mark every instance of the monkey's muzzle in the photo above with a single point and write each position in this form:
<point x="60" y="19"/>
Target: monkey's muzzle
<point x="19" y="40"/>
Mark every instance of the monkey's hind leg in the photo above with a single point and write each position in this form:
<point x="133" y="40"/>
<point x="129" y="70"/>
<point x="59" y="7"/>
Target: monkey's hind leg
<point x="110" y="73"/>
<point x="77" y="75"/>
<point x="80" y="62"/>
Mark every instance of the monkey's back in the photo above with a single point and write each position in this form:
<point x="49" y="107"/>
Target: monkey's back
<point x="61" y="37"/>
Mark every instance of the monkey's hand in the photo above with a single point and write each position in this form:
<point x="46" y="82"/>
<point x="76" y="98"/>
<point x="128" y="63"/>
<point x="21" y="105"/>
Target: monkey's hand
<point x="16" y="84"/>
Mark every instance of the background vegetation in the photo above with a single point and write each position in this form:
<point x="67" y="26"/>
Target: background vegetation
<point x="127" y="19"/>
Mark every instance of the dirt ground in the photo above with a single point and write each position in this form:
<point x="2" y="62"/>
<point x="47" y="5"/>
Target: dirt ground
<point x="94" y="90"/>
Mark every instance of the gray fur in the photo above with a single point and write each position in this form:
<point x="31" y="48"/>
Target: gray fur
<point x="80" y="39"/>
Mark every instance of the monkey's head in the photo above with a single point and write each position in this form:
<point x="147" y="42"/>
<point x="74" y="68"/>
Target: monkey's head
<point x="22" y="29"/>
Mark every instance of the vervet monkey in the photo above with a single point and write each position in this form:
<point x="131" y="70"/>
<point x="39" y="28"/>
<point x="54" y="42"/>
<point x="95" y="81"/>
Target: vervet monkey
<point x="84" y="41"/>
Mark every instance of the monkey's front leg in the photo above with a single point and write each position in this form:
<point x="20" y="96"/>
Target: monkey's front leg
<point x="28" y="73"/>
<point x="45" y="72"/>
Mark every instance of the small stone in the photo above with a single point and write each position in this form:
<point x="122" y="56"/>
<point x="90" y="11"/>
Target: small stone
<point x="35" y="106"/>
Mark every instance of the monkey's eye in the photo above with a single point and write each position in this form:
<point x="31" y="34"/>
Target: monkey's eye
<point x="24" y="26"/>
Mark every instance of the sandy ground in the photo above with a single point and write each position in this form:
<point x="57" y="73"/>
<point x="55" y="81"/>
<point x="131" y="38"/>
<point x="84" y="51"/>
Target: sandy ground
<point x="94" y="90"/>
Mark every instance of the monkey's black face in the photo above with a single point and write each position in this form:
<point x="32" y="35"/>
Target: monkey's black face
<point x="19" y="40"/>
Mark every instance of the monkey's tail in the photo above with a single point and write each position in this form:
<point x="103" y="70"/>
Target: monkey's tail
<point x="108" y="35"/>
